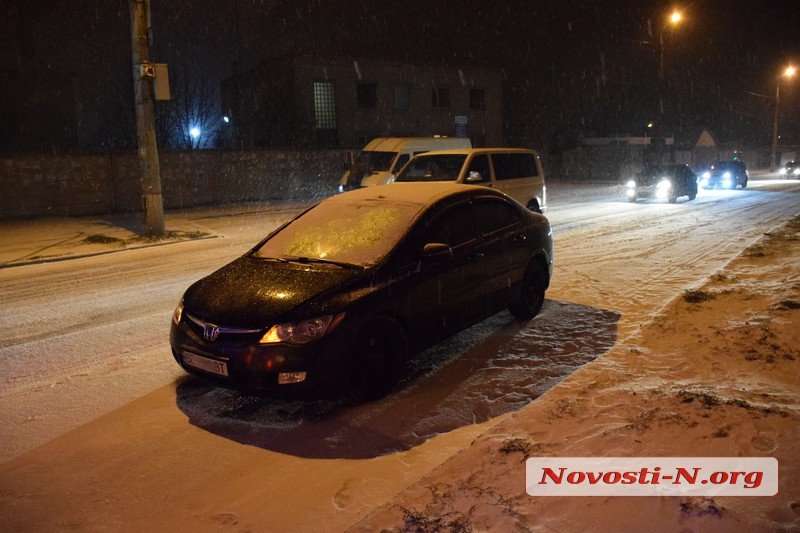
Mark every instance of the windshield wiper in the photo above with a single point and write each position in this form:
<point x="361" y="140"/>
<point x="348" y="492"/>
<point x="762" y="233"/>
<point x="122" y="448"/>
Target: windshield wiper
<point x="306" y="260"/>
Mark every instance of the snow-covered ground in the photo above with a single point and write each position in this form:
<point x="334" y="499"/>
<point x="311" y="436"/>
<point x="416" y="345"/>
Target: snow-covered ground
<point x="91" y="398"/>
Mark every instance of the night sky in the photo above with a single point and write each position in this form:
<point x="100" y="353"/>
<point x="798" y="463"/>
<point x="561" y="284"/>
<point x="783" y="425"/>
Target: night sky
<point x="571" y="68"/>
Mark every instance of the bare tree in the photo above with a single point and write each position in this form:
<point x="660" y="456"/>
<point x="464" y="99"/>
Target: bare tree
<point x="191" y="119"/>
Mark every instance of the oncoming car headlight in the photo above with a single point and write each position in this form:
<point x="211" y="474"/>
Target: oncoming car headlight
<point x="727" y="175"/>
<point x="782" y="171"/>
<point x="301" y="332"/>
<point x="631" y="184"/>
<point x="664" y="184"/>
<point x="706" y="175"/>
<point x="796" y="172"/>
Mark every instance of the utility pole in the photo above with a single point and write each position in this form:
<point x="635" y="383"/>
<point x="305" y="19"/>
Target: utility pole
<point x="773" y="163"/>
<point x="143" y="74"/>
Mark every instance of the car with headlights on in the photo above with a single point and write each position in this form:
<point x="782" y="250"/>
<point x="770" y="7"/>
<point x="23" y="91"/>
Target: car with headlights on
<point x="725" y="175"/>
<point x="790" y="169"/>
<point x="343" y="294"/>
<point x="668" y="182"/>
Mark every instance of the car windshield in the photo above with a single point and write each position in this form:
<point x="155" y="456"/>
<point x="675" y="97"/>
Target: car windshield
<point x="725" y="165"/>
<point x="438" y="167"/>
<point x="658" y="171"/>
<point x="375" y="161"/>
<point x="359" y="233"/>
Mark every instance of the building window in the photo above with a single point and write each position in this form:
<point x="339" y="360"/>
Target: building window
<point x="366" y="95"/>
<point x="402" y="96"/>
<point x="440" y="96"/>
<point x="325" y="105"/>
<point x="477" y="98"/>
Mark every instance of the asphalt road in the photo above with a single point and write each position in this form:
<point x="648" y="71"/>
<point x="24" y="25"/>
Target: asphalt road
<point x="90" y="391"/>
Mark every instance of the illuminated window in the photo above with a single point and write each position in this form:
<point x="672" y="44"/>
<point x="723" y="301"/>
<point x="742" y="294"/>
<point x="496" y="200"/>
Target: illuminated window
<point x="325" y="105"/>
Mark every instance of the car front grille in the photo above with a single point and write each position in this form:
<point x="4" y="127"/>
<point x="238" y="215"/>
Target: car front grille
<point x="214" y="332"/>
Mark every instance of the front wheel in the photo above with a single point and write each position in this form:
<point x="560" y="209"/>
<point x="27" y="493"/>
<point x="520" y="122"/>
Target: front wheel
<point x="531" y="295"/>
<point x="632" y="199"/>
<point x="672" y="199"/>
<point x="379" y="359"/>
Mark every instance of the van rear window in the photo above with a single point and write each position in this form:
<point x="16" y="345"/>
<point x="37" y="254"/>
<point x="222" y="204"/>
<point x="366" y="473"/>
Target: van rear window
<point x="513" y="166"/>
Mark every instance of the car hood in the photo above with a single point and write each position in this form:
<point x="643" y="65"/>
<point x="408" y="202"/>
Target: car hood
<point x="256" y="293"/>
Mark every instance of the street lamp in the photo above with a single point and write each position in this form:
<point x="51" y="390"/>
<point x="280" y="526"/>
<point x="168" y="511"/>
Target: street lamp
<point x="788" y="73"/>
<point x="674" y="19"/>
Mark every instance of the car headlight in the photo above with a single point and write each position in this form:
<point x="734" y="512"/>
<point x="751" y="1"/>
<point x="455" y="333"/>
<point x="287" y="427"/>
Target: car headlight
<point x="706" y="175"/>
<point x="782" y="171"/>
<point x="177" y="314"/>
<point x="631" y="184"/>
<point x="301" y="332"/>
<point x="664" y="184"/>
<point x="727" y="175"/>
<point x="796" y="171"/>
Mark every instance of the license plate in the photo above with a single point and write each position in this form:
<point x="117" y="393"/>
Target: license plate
<point x="204" y="363"/>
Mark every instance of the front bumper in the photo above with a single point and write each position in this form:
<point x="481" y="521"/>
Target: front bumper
<point x="647" y="191"/>
<point x="255" y="367"/>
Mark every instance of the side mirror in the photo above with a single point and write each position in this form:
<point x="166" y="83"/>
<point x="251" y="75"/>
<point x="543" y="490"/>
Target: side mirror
<point x="474" y="177"/>
<point x="436" y="251"/>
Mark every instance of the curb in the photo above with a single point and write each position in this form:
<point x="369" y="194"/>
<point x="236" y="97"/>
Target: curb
<point x="93" y="254"/>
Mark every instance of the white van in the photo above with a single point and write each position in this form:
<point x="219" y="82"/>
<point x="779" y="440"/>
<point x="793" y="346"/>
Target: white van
<point x="514" y="171"/>
<point x="386" y="155"/>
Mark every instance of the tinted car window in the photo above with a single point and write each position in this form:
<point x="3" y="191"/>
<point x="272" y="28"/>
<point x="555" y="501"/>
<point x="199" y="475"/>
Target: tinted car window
<point x="480" y="163"/>
<point x="433" y="168"/>
<point x="512" y="166"/>
<point x="493" y="215"/>
<point x="453" y="227"/>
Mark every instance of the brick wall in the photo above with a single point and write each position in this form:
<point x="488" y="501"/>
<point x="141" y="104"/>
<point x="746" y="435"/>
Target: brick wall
<point x="73" y="185"/>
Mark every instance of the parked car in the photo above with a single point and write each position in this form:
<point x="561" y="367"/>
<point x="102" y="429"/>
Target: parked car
<point x="386" y="155"/>
<point x="668" y="182"/>
<point x="346" y="291"/>
<point x="792" y="168"/>
<point x="513" y="171"/>
<point x="725" y="175"/>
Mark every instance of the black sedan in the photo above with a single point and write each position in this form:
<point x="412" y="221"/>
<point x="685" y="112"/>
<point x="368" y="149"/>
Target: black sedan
<point x="664" y="182"/>
<point x="345" y="292"/>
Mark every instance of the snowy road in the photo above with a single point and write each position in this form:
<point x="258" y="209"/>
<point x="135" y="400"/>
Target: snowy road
<point x="86" y="368"/>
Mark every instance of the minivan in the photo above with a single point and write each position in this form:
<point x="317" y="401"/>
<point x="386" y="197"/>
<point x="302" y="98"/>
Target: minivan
<point x="386" y="155"/>
<point x="516" y="172"/>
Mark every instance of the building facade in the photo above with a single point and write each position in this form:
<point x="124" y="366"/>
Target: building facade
<point x="312" y="102"/>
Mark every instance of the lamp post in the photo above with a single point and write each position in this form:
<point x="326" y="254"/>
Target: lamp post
<point x="788" y="73"/>
<point x="674" y="19"/>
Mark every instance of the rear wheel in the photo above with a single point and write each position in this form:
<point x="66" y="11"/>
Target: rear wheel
<point x="379" y="359"/>
<point x="531" y="295"/>
<point x="744" y="184"/>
